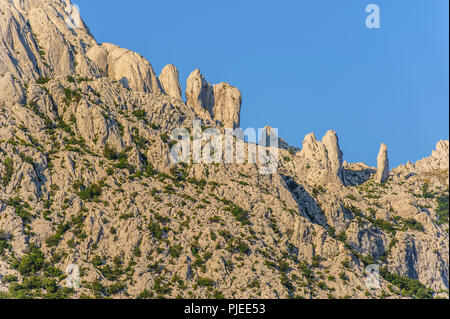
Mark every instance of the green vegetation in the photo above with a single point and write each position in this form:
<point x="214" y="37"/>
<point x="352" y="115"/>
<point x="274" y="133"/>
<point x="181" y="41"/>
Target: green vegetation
<point x="122" y="159"/>
<point x="42" y="80"/>
<point x="205" y="282"/>
<point x="442" y="209"/>
<point x="140" y="114"/>
<point x="165" y="138"/>
<point x="39" y="277"/>
<point x="413" y="224"/>
<point x="71" y="96"/>
<point x="56" y="238"/>
<point x="155" y="230"/>
<point x="66" y="128"/>
<point x="110" y="153"/>
<point x="383" y="225"/>
<point x="21" y="208"/>
<point x="238" y="213"/>
<point x="425" y="191"/>
<point x="175" y="251"/>
<point x="8" y="171"/>
<point x="4" y="242"/>
<point x="409" y="287"/>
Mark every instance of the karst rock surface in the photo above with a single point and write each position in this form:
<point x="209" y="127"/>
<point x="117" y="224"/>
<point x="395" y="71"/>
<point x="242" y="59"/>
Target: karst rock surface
<point x="86" y="180"/>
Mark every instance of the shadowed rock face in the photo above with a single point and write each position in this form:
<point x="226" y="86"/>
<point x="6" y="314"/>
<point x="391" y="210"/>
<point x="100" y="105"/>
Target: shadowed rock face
<point x="170" y="81"/>
<point x="382" y="164"/>
<point x="220" y="103"/>
<point x="43" y="38"/>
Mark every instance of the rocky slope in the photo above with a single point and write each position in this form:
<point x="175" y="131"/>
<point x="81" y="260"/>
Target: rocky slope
<point x="86" y="180"/>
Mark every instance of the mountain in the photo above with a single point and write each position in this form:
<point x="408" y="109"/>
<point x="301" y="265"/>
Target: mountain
<point x="87" y="183"/>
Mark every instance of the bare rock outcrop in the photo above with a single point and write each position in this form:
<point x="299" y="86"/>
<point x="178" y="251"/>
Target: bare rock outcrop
<point x="170" y="81"/>
<point x="324" y="158"/>
<point x="382" y="164"/>
<point x="220" y="103"/>
<point x="43" y="38"/>
<point x="335" y="155"/>
<point x="125" y="66"/>
<point x="227" y="107"/>
<point x="439" y="159"/>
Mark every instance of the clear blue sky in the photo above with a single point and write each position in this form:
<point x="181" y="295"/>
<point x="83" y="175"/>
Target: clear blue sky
<point x="305" y="65"/>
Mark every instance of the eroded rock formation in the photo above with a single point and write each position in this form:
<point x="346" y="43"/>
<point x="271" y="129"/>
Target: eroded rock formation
<point x="86" y="179"/>
<point x="382" y="164"/>
<point x="170" y="81"/>
<point x="220" y="103"/>
<point x="324" y="157"/>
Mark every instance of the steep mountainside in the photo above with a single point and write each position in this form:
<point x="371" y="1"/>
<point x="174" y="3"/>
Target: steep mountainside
<point x="86" y="179"/>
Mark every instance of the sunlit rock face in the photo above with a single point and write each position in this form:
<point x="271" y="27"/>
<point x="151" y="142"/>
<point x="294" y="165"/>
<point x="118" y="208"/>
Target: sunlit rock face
<point x="382" y="164"/>
<point x="220" y="103"/>
<point x="170" y="81"/>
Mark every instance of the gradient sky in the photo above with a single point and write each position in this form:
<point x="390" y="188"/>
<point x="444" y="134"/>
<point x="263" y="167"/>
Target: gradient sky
<point x="305" y="65"/>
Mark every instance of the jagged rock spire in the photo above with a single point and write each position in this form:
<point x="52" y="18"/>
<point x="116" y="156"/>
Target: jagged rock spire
<point x="200" y="95"/>
<point x="125" y="66"/>
<point x="382" y="164"/>
<point x="335" y="155"/>
<point x="170" y="81"/>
